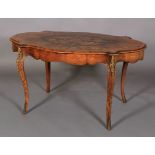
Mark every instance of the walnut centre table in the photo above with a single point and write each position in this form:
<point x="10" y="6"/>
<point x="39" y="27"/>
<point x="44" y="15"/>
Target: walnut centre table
<point x="78" y="48"/>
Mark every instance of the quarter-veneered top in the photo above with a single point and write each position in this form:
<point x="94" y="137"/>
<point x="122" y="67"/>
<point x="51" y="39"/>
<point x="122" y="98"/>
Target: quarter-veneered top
<point x="81" y="42"/>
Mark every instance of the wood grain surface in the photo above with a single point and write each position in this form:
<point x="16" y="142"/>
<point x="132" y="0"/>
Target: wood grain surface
<point x="80" y="42"/>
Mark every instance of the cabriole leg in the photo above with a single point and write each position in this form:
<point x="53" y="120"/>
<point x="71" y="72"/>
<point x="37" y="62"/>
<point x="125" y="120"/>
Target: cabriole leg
<point x="110" y="89"/>
<point x="20" y="67"/>
<point x="123" y="76"/>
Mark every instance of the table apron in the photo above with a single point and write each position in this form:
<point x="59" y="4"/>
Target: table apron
<point x="82" y="58"/>
<point x="91" y="59"/>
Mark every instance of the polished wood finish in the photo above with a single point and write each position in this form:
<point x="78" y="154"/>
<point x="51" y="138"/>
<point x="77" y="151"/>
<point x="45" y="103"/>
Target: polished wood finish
<point x="78" y="48"/>
<point x="77" y="42"/>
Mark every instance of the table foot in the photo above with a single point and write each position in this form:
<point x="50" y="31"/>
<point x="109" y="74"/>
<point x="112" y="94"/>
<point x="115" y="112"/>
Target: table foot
<point x="123" y="76"/>
<point x="108" y="125"/>
<point x="110" y="88"/>
<point x="48" y="76"/>
<point x="20" y="67"/>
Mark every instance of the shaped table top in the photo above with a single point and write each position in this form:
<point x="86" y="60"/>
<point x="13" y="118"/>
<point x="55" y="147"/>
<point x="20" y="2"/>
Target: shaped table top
<point x="77" y="42"/>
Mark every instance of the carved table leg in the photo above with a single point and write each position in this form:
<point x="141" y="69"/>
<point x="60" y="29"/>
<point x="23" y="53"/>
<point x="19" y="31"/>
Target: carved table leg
<point x="110" y="88"/>
<point x="48" y="76"/>
<point x="124" y="69"/>
<point x="20" y="67"/>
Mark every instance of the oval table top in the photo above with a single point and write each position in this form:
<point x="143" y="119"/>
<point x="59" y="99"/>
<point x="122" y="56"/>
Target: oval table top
<point x="77" y="42"/>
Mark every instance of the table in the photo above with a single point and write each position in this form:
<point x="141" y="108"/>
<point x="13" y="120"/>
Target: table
<point x="78" y="48"/>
